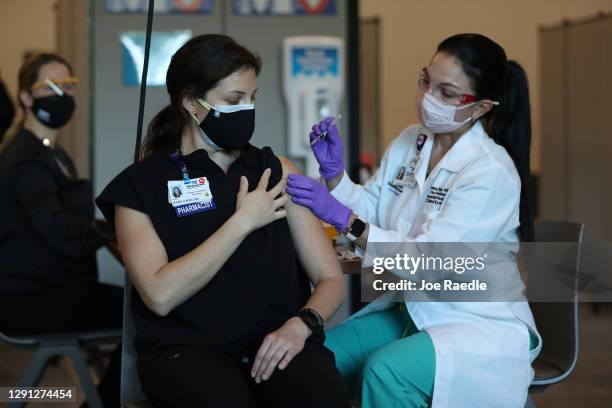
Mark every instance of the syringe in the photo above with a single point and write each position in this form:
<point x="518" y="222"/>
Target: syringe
<point x="322" y="136"/>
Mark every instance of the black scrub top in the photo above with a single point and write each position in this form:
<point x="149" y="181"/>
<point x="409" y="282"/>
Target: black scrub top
<point x="259" y="287"/>
<point x="47" y="237"/>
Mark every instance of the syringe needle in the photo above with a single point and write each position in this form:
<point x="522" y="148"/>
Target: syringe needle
<point x="333" y="122"/>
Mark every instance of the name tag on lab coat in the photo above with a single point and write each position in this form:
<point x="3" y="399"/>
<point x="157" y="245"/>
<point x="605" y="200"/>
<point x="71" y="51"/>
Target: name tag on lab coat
<point x="435" y="196"/>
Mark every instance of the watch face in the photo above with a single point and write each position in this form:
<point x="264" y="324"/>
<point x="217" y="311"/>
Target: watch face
<point x="357" y="228"/>
<point x="310" y="319"/>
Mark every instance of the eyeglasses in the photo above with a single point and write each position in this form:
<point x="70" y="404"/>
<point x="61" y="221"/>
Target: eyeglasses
<point x="57" y="85"/>
<point x="443" y="94"/>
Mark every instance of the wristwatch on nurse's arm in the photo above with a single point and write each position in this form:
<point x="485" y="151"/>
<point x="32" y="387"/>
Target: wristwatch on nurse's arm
<point x="355" y="229"/>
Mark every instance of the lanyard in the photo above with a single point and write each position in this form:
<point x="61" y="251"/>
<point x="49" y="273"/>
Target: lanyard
<point x="408" y="178"/>
<point x="177" y="157"/>
<point x="420" y="142"/>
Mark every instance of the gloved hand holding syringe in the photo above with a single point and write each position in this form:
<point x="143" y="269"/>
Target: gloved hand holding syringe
<point x="327" y="146"/>
<point x="324" y="133"/>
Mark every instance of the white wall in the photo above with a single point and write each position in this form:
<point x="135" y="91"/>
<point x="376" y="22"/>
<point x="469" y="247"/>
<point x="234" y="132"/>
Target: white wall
<point x="25" y="25"/>
<point x="411" y="30"/>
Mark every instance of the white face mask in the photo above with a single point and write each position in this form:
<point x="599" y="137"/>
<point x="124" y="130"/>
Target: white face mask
<point x="439" y="117"/>
<point x="227" y="108"/>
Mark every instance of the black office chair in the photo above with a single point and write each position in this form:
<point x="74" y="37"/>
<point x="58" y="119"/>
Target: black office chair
<point x="557" y="322"/>
<point x="47" y="347"/>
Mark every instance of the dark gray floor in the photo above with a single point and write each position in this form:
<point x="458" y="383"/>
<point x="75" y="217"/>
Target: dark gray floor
<point x="589" y="386"/>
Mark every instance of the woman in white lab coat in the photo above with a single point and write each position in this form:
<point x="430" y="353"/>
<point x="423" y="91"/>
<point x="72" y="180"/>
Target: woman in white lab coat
<point x="471" y="155"/>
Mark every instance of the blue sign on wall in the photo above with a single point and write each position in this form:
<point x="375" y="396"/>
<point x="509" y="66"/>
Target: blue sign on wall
<point x="163" y="46"/>
<point x="313" y="61"/>
<point x="161" y="6"/>
<point x="284" y="7"/>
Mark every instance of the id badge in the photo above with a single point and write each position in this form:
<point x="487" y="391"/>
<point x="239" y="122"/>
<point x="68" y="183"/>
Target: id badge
<point x="408" y="179"/>
<point x="405" y="176"/>
<point x="190" y="197"/>
<point x="411" y="181"/>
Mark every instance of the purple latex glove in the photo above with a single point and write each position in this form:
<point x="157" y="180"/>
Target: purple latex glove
<point x="314" y="195"/>
<point x="329" y="150"/>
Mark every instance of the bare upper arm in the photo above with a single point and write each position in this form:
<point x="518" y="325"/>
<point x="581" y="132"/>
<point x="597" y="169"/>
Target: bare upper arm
<point x="310" y="237"/>
<point x="289" y="168"/>
<point x="141" y="249"/>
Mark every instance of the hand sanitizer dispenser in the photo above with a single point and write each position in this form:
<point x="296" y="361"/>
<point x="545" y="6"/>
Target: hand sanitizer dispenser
<point x="313" y="80"/>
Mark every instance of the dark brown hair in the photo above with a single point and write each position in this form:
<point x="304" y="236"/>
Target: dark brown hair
<point x="196" y="68"/>
<point x="30" y="70"/>
<point x="495" y="77"/>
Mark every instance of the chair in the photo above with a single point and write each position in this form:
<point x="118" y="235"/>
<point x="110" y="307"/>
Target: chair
<point x="131" y="391"/>
<point x="66" y="344"/>
<point x="557" y="322"/>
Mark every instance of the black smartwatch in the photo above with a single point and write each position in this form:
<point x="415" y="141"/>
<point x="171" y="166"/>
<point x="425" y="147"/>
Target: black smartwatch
<point x="312" y="320"/>
<point x="355" y="230"/>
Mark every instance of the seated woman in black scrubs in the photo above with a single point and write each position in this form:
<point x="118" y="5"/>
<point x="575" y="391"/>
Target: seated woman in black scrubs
<point x="223" y="310"/>
<point x="48" y="234"/>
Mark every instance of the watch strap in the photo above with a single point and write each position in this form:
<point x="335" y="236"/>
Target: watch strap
<point x="312" y="320"/>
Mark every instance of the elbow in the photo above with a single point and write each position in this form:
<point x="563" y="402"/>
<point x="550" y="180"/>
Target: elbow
<point x="159" y="309"/>
<point x="156" y="293"/>
<point x="157" y="301"/>
<point x="156" y="305"/>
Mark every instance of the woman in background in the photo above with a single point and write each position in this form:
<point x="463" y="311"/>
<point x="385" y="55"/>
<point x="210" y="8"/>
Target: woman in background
<point x="48" y="235"/>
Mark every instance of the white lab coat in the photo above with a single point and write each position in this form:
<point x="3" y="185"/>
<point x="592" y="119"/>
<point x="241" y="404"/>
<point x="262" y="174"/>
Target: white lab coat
<point x="482" y="349"/>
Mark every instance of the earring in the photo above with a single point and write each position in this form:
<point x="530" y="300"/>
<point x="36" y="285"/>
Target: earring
<point x="194" y="112"/>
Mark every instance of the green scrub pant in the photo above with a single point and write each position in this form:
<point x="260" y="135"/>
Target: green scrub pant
<point x="383" y="357"/>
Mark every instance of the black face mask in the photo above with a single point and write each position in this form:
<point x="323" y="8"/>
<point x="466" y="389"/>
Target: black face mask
<point x="54" y="111"/>
<point x="230" y="128"/>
